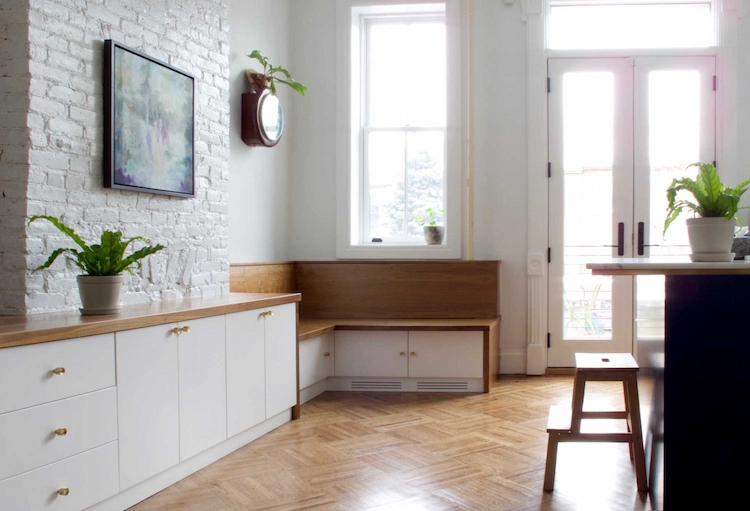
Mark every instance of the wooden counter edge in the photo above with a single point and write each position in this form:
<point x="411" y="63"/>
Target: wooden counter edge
<point x="91" y="325"/>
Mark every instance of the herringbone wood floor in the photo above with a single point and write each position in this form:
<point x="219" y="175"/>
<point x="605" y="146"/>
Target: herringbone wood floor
<point x="418" y="451"/>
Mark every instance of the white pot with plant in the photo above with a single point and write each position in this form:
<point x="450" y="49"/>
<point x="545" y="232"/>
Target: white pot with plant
<point x="711" y="232"/>
<point x="101" y="285"/>
<point x="433" y="233"/>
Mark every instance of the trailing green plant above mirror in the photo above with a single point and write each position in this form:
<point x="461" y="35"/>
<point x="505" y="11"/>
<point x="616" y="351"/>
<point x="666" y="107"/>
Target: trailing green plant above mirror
<point x="105" y="258"/>
<point x="268" y="77"/>
<point x="712" y="198"/>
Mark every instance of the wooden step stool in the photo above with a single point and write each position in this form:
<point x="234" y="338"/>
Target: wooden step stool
<point x="564" y="424"/>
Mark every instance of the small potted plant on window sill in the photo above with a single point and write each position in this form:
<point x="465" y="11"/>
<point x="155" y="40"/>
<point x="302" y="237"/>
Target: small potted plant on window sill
<point x="711" y="232"/>
<point x="433" y="233"/>
<point x="101" y="285"/>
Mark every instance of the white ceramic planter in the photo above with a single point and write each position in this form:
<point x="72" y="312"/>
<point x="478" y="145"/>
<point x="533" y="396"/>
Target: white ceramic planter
<point x="711" y="239"/>
<point x="100" y="294"/>
<point x="433" y="235"/>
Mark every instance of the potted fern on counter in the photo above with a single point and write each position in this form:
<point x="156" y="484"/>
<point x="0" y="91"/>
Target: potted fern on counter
<point x="711" y="232"/>
<point x="101" y="284"/>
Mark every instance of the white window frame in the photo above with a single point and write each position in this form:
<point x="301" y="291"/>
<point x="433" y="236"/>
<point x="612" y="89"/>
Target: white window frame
<point x="349" y="132"/>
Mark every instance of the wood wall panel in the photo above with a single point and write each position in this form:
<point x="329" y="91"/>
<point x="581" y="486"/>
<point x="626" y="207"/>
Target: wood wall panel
<point x="262" y="278"/>
<point x="398" y="289"/>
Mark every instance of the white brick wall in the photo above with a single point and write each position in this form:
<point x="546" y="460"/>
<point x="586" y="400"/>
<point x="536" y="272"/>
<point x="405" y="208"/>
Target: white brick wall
<point x="64" y="125"/>
<point x="14" y="151"/>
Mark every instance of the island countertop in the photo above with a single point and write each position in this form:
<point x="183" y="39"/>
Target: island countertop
<point x="678" y="265"/>
<point x="56" y="326"/>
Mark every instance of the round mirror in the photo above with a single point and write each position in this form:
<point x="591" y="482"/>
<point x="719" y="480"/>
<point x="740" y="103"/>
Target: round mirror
<point x="271" y="117"/>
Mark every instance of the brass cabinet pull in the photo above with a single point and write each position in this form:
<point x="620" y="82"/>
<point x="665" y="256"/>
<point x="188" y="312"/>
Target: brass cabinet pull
<point x="403" y="354"/>
<point x="327" y="354"/>
<point x="270" y="313"/>
<point x="266" y="313"/>
<point x="59" y="371"/>
<point x="63" y="491"/>
<point x="177" y="330"/>
<point x="186" y="329"/>
<point x="61" y="431"/>
<point x="413" y="353"/>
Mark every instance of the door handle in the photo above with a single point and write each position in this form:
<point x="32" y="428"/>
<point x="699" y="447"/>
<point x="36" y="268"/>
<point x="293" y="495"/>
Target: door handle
<point x="621" y="239"/>
<point x="641" y="234"/>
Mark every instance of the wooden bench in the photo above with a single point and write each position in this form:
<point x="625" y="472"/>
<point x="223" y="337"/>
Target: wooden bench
<point x="389" y="307"/>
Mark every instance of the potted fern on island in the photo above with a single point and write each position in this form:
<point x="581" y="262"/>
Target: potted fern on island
<point x="715" y="205"/>
<point x="101" y="284"/>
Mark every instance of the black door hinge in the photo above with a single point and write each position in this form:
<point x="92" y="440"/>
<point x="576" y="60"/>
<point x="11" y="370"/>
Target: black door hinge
<point x="714" y="83"/>
<point x="549" y="85"/>
<point x="549" y="254"/>
<point x="549" y="340"/>
<point x="549" y="169"/>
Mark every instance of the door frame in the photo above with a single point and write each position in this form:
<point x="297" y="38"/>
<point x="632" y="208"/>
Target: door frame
<point x="534" y="14"/>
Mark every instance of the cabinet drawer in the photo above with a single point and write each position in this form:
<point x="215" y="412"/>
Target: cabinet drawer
<point x="446" y="354"/>
<point x="28" y="439"/>
<point x="90" y="478"/>
<point x="315" y="359"/>
<point x="27" y="377"/>
<point x="371" y="353"/>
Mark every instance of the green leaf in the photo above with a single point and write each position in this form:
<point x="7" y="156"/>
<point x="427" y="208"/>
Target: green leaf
<point x="52" y="258"/>
<point x="294" y="84"/>
<point x="62" y="227"/>
<point x="135" y="257"/>
<point x="260" y="58"/>
<point x="713" y="189"/>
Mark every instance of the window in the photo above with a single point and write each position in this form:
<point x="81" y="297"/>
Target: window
<point x="401" y="154"/>
<point x="631" y="24"/>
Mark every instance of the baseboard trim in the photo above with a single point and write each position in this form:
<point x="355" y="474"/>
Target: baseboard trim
<point x="313" y="391"/>
<point x="157" y="483"/>
<point x="512" y="361"/>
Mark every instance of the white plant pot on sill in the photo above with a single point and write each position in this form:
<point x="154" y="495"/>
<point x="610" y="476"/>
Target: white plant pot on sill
<point x="100" y="294"/>
<point x="711" y="239"/>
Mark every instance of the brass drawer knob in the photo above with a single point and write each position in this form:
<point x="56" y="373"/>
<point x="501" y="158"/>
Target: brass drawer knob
<point x="59" y="371"/>
<point x="270" y="313"/>
<point x="61" y="431"/>
<point x="402" y="354"/>
<point x="413" y="353"/>
<point x="186" y="329"/>
<point x="177" y="330"/>
<point x="327" y="354"/>
<point x="63" y="491"/>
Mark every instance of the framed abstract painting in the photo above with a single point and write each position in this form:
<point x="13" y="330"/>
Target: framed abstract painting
<point x="149" y="119"/>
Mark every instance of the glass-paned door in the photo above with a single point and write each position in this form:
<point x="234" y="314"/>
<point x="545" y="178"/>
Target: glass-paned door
<point x="674" y="127"/>
<point x="591" y="186"/>
<point x="619" y="131"/>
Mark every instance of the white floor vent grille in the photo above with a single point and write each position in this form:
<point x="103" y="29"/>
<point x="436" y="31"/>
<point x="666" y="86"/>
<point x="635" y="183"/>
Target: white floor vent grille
<point x="376" y="385"/>
<point x="442" y="385"/>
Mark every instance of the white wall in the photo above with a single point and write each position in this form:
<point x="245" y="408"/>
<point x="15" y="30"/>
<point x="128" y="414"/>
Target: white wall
<point x="743" y="105"/>
<point x="65" y="119"/>
<point x="259" y="176"/>
<point x="500" y="151"/>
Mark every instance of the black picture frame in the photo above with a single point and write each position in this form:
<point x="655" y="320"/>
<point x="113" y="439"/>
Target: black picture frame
<point x="149" y="124"/>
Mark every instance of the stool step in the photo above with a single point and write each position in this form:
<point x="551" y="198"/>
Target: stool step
<point x="559" y="418"/>
<point x="606" y="362"/>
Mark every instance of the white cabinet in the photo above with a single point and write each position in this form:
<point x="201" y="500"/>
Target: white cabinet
<point x="246" y="370"/>
<point x="281" y="358"/>
<point x="446" y="354"/>
<point x="316" y="359"/>
<point x="72" y="484"/>
<point x="202" y="384"/>
<point x="147" y="402"/>
<point x="367" y="353"/>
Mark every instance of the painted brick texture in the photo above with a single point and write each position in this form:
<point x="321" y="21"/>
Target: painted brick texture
<point x="14" y="153"/>
<point x="65" y="146"/>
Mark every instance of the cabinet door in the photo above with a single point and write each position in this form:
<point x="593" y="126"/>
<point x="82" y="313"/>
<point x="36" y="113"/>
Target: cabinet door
<point x="315" y="359"/>
<point x="203" y="380"/>
<point x="281" y="358"/>
<point x="371" y="353"/>
<point x="147" y="402"/>
<point x="246" y="371"/>
<point x="446" y="354"/>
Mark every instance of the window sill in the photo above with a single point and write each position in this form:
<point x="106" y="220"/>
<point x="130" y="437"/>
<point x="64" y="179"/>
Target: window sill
<point x="399" y="251"/>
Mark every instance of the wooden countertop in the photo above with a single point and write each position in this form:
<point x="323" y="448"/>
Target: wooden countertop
<point x="667" y="266"/>
<point x="38" y="328"/>
<point x="309" y="328"/>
